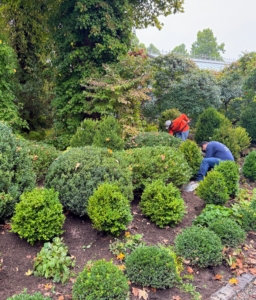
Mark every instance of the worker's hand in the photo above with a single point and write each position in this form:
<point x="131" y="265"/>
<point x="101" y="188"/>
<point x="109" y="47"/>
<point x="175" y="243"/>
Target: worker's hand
<point x="189" y="120"/>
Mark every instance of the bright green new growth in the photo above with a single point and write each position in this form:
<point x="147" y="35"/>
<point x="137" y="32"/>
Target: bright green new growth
<point x="213" y="189"/>
<point x="84" y="134"/>
<point x="16" y="174"/>
<point x="54" y="262"/>
<point x="162" y="203"/>
<point x="101" y="280"/>
<point x="109" y="134"/>
<point x="151" y="266"/>
<point x="192" y="154"/>
<point x="249" y="167"/>
<point x="152" y="139"/>
<point x="25" y="296"/>
<point x="109" y="209"/>
<point x="229" y="232"/>
<point x="199" y="245"/>
<point x="38" y="216"/>
<point x="77" y="173"/>
<point x="230" y="171"/>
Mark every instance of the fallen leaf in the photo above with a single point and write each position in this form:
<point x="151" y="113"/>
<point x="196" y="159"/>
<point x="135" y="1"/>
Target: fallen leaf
<point x="218" y="277"/>
<point x="233" y="281"/>
<point x="47" y="286"/>
<point x="233" y="266"/>
<point x="190" y="270"/>
<point x="163" y="157"/>
<point x="28" y="273"/>
<point x="252" y="271"/>
<point x="28" y="256"/>
<point x="120" y="256"/>
<point x="122" y="267"/>
<point x="176" y="298"/>
<point x="153" y="290"/>
<point x="142" y="294"/>
<point x="187" y="262"/>
<point x="252" y="261"/>
<point x="17" y="269"/>
<point x="77" y="165"/>
<point x="61" y="297"/>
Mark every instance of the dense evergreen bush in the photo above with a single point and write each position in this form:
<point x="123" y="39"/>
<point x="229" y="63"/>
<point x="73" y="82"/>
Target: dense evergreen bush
<point x="54" y="262"/>
<point x="150" y="163"/>
<point x="41" y="155"/>
<point x="248" y="120"/>
<point x="25" y="296"/>
<point x="212" y="212"/>
<point x="109" y="134"/>
<point x="249" y="166"/>
<point x="101" y="280"/>
<point x="212" y="189"/>
<point x="192" y="154"/>
<point x="109" y="209"/>
<point x="77" y="173"/>
<point x="151" y="266"/>
<point x="199" y="245"/>
<point x="229" y="232"/>
<point x="230" y="171"/>
<point x="169" y="114"/>
<point x="207" y="122"/>
<point x="38" y="216"/>
<point x="16" y="173"/>
<point x="162" y="203"/>
<point x="152" y="139"/>
<point x="85" y="133"/>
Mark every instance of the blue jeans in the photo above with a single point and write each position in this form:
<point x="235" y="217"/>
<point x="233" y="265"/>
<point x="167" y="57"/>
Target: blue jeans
<point x="206" y="164"/>
<point x="182" y="135"/>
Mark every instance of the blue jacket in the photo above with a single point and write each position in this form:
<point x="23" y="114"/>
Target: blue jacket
<point x="218" y="150"/>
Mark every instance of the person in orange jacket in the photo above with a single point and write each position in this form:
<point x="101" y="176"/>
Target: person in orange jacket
<point x="178" y="127"/>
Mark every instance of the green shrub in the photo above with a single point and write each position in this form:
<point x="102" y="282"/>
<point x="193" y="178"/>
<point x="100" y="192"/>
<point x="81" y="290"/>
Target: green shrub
<point x="162" y="203"/>
<point x="229" y="232"/>
<point x="248" y="120"/>
<point x="151" y="163"/>
<point x="54" y="262"/>
<point x="192" y="154"/>
<point x="109" y="134"/>
<point x="152" y="139"/>
<point x="207" y="122"/>
<point x="109" y="209"/>
<point x="212" y="212"/>
<point x="169" y="114"/>
<point x="36" y="135"/>
<point x="25" y="296"/>
<point x="16" y="173"/>
<point x="101" y="280"/>
<point x="230" y="171"/>
<point x="249" y="166"/>
<point x="38" y="216"/>
<point x="151" y="266"/>
<point x="212" y="189"/>
<point x="41" y="155"/>
<point x="85" y="133"/>
<point x="77" y="173"/>
<point x="236" y="139"/>
<point x="199" y="245"/>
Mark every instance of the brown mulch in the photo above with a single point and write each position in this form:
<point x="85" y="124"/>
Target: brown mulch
<point x="17" y="255"/>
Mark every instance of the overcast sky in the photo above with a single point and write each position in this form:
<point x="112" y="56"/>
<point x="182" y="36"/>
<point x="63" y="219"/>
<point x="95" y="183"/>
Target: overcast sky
<point x="233" y="22"/>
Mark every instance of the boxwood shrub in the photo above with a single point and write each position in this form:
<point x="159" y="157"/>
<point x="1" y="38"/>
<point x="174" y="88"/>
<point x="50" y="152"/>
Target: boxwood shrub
<point x="152" y="139"/>
<point x="101" y="280"/>
<point x="151" y="266"/>
<point x="77" y="173"/>
<point x="229" y="232"/>
<point x="25" y="296"/>
<point x="212" y="189"/>
<point x="151" y="163"/>
<point x="16" y="173"/>
<point x="38" y="216"/>
<point x="230" y="171"/>
<point x="199" y="245"/>
<point x="249" y="166"/>
<point x="109" y="209"/>
<point x="162" y="203"/>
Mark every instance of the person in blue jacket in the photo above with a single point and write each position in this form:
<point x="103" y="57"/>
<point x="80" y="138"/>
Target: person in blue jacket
<point x="215" y="152"/>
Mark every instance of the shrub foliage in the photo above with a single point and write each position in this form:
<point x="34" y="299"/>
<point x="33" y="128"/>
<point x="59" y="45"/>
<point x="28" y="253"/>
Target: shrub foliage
<point x="100" y="280"/>
<point x="109" y="209"/>
<point x="162" y="203"/>
<point x="25" y="296"/>
<point x="249" y="167"/>
<point x="151" y="266"/>
<point x="199" y="245"/>
<point x="38" y="216"/>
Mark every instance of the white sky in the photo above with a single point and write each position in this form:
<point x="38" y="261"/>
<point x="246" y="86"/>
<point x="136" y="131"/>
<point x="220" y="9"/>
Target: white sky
<point x="233" y="22"/>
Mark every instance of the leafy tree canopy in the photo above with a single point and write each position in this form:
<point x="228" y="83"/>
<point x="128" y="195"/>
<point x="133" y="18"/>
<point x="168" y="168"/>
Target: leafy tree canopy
<point x="181" y="49"/>
<point x="206" y="45"/>
<point x="153" y="49"/>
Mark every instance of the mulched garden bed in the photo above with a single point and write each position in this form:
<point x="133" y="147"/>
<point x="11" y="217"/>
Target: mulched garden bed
<point x="85" y="243"/>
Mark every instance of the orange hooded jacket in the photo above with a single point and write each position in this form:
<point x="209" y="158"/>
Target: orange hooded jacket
<point x="179" y="125"/>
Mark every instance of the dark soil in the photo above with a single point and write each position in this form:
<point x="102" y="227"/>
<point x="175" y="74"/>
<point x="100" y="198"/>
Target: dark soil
<point x="17" y="255"/>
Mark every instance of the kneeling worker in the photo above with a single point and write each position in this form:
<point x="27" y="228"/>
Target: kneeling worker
<point x="178" y="127"/>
